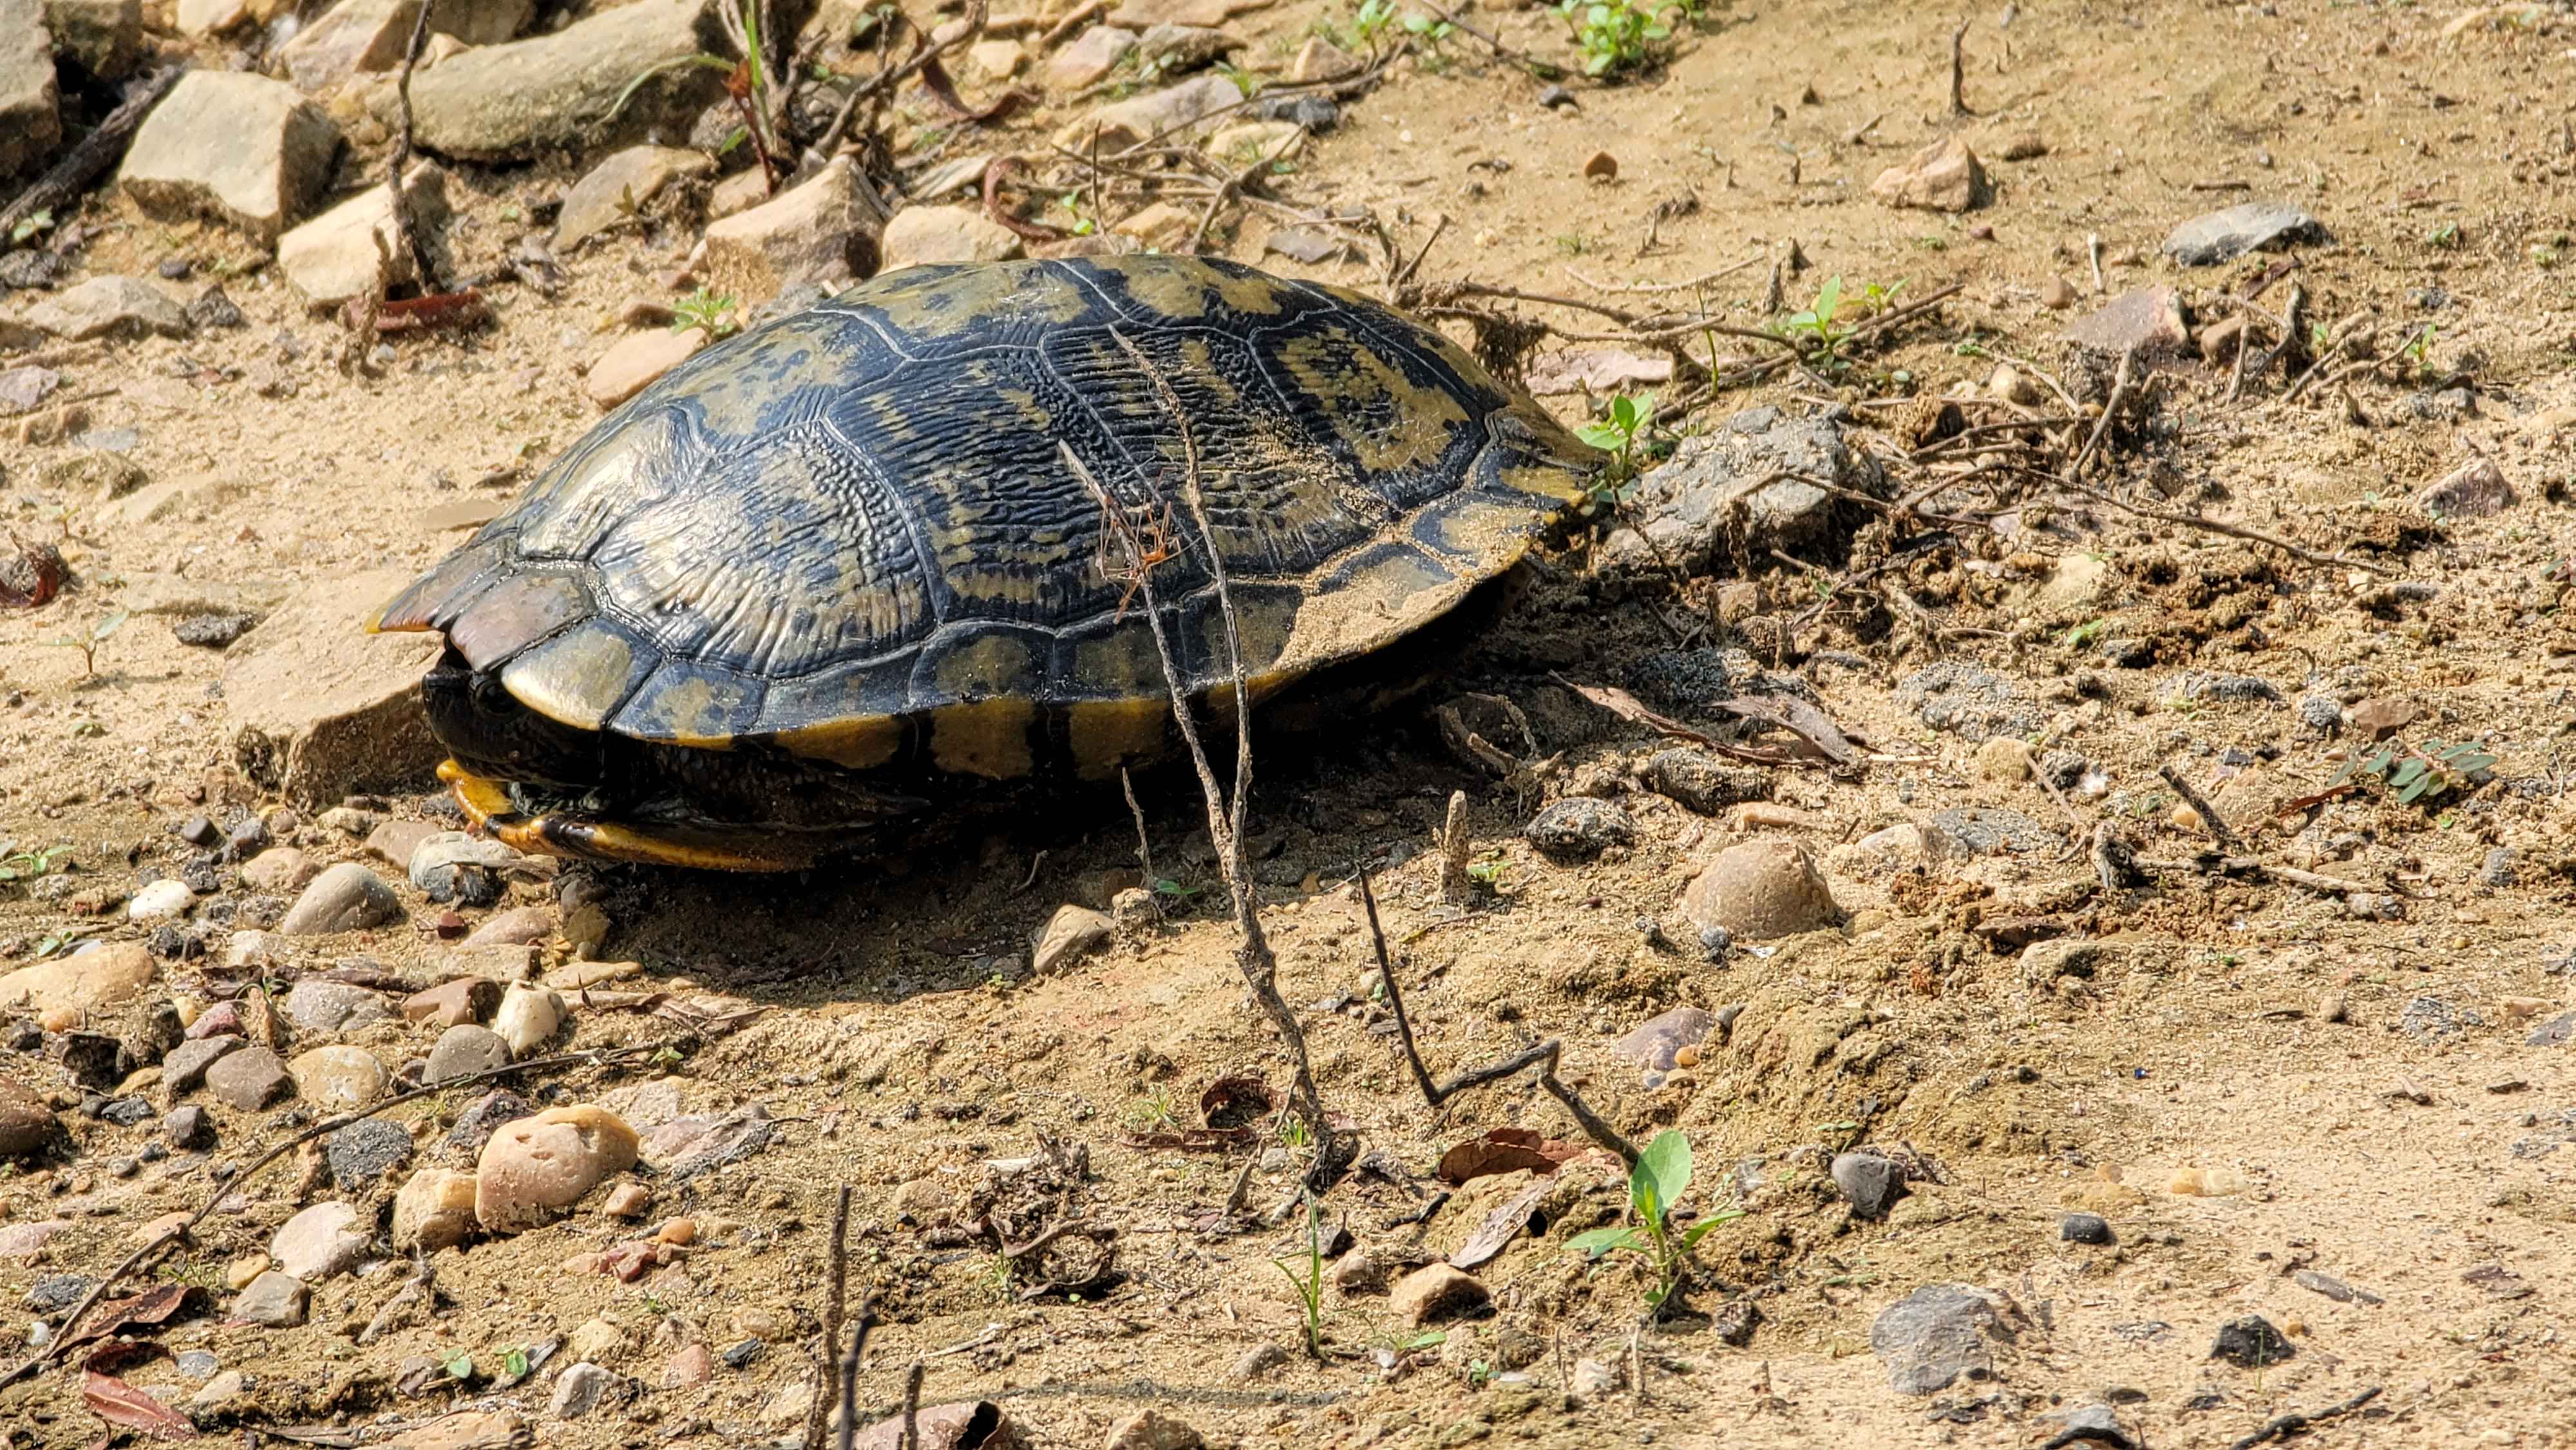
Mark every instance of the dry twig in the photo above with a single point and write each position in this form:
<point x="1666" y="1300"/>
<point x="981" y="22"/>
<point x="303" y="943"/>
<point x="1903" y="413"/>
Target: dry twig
<point x="1544" y="1056"/>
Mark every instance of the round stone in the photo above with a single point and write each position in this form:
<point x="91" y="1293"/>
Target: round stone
<point x="1759" y="890"/>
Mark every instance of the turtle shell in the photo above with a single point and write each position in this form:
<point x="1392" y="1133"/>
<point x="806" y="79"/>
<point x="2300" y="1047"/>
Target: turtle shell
<point x="900" y="521"/>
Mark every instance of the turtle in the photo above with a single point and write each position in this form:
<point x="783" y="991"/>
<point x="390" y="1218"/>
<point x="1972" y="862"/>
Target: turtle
<point x="882" y="557"/>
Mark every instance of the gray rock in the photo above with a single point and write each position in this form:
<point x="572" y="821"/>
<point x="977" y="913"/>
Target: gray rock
<point x="464" y="1050"/>
<point x="2497" y="869"/>
<point x="454" y="866"/>
<point x="1981" y="830"/>
<point x="2223" y="689"/>
<point x="1652" y="1044"/>
<point x="110" y="307"/>
<point x="365" y="1151"/>
<point x="2430" y="1019"/>
<point x="21" y="389"/>
<point x="1684" y="504"/>
<point x="506" y="102"/>
<point x="2063" y="769"/>
<point x="58" y="1291"/>
<point x="2096" y="1426"/>
<point x="2322" y="714"/>
<point x="237" y="147"/>
<point x="196" y="1364"/>
<point x="2229" y="233"/>
<point x="1933" y="1336"/>
<point x="188" y="1128"/>
<point x="369" y="35"/>
<point x="480" y="1121"/>
<point x="1701" y="781"/>
<point x="347" y="897"/>
<point x="617" y="189"/>
<point x="187" y="1063"/>
<point x="685" y="1147"/>
<point x="2083" y="1228"/>
<point x="1869" y="1183"/>
<point x="579" y="1389"/>
<point x="319" y="1006"/>
<point x="2473" y="491"/>
<point x="351" y="250"/>
<point x="2251" y="1343"/>
<point x="275" y="1300"/>
<point x="103" y="37"/>
<point x="249" y="1079"/>
<point x="1968" y="700"/>
<point x="2555" y="1032"/>
<point x="30" y="123"/>
<point x="212" y="631"/>
<point x="319" y="709"/>
<point x="1579" y="828"/>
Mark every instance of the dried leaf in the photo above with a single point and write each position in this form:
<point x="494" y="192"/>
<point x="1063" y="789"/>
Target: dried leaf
<point x="934" y="79"/>
<point x="119" y="1403"/>
<point x="1500" y="1227"/>
<point x="1628" y="707"/>
<point x="30" y="574"/>
<point x="1795" y="716"/>
<point x="1599" y="370"/>
<point x="1232" y="1103"/>
<point x="1503" y="1150"/>
<point x="151" y="1307"/>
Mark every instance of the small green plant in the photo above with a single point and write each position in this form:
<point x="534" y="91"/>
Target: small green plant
<point x="514" y="1363"/>
<point x="1310" y="1284"/>
<point x="1617" y="433"/>
<point x="459" y="1365"/>
<point x="88" y="644"/>
<point x="2418" y="351"/>
<point x="748" y="84"/>
<point x="2415" y="775"/>
<point x="1661" y="1176"/>
<point x="41" y="219"/>
<point x="1487" y="872"/>
<point x="1165" y="886"/>
<point x="28" y="865"/>
<point x="709" y="312"/>
<point x="999" y="1278"/>
<point x="1071" y="205"/>
<point x="1294" y="1135"/>
<point x="1430" y="30"/>
<point x="1248" y="83"/>
<point x="2445" y="237"/>
<point x="1613" y="35"/>
<point x="1369" y="23"/>
<point x="2084" y="635"/>
<point x="1152" y="1111"/>
<point x="1573" y="244"/>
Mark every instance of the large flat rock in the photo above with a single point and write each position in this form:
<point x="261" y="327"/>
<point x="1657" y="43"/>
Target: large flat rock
<point x="30" y="126"/>
<point x="506" y="102"/>
<point x="318" y="708"/>
<point x="240" y="148"/>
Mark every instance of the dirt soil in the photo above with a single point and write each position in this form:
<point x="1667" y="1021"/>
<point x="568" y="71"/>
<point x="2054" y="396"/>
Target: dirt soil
<point x="2337" y="1105"/>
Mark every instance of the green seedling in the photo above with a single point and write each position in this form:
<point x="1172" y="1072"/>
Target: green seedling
<point x="1617" y="433"/>
<point x="1309" y="1285"/>
<point x="1488" y="872"/>
<point x="1369" y="24"/>
<point x="748" y="83"/>
<point x="2415" y="775"/>
<point x="1294" y="1135"/>
<point x="41" y="219"/>
<point x="709" y="312"/>
<point x="1071" y="205"/>
<point x="2084" y="635"/>
<point x="1165" y="886"/>
<point x="28" y="865"/>
<point x="1152" y="1111"/>
<point x="459" y="1365"/>
<point x="88" y="644"/>
<point x="2445" y="237"/>
<point x="1613" y="35"/>
<point x="514" y="1363"/>
<point x="1661" y="1176"/>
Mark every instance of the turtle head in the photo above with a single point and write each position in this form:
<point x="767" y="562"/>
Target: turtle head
<point x="492" y="733"/>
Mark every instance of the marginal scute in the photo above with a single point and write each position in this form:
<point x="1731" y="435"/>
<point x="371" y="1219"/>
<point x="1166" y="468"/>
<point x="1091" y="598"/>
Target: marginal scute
<point x="430" y="599"/>
<point x="580" y="676"/>
<point x="989" y="738"/>
<point x="1109" y="734"/>
<point x="686" y="702"/>
<point x="861" y="743"/>
<point x="515" y="613"/>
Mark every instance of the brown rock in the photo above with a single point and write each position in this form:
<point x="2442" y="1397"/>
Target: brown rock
<point x="928" y="234"/>
<point x="279" y="870"/>
<point x="1153" y="1430"/>
<point x="1944" y="176"/>
<point x="1435" y="1292"/>
<point x="636" y="360"/>
<point x="617" y="188"/>
<point x="351" y="250"/>
<point x="393" y="842"/>
<point x="2472" y="491"/>
<point x="1321" y="60"/>
<point x="823" y="229"/>
<point x="249" y="1078"/>
<point x="519" y="926"/>
<point x="452" y="1004"/>
<point x="2023" y="146"/>
<point x="97" y="982"/>
<point x="434" y="1210"/>
<point x="1092" y="55"/>
<point x="2148" y="319"/>
<point x="1760" y="889"/>
<point x="319" y="709"/>
<point x="26" y="1124"/>
<point x="2056" y="294"/>
<point x="534" y="1168"/>
<point x="240" y="148"/>
<point x="1172" y="110"/>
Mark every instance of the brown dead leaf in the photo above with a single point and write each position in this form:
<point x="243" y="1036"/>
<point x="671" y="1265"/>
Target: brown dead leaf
<point x="152" y="1307"/>
<point x="1233" y="1103"/>
<point x="1503" y="1150"/>
<point x="119" y="1403"/>
<point x="1628" y="707"/>
<point x="1500" y="1227"/>
<point x="1795" y="716"/>
<point x="1595" y="370"/>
